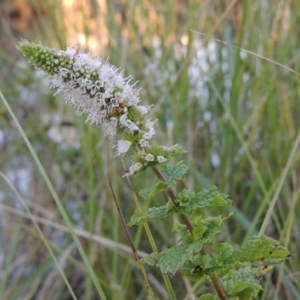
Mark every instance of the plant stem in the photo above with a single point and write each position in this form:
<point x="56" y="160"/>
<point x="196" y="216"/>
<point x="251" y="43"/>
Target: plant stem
<point x="152" y="242"/>
<point x="214" y="277"/>
<point x="135" y="254"/>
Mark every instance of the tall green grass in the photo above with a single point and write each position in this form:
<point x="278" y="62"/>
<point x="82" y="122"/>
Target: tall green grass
<point x="238" y="117"/>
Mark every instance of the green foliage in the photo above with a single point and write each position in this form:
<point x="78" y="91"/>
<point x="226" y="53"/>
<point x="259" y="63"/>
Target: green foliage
<point x="161" y="212"/>
<point x="252" y="132"/>
<point x="261" y="250"/>
<point x="213" y="297"/>
<point x="240" y="270"/>
<point x="173" y="173"/>
<point x="189" y="201"/>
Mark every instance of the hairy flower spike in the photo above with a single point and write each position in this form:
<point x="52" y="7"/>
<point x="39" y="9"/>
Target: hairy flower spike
<point x="95" y="88"/>
<point x="100" y="90"/>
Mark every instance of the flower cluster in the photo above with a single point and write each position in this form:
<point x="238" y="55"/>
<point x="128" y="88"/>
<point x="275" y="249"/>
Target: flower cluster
<point x="100" y="90"/>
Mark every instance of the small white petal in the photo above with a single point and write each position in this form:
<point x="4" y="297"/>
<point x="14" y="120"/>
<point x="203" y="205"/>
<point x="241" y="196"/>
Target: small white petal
<point x="143" y="143"/>
<point x="133" y="169"/>
<point x="161" y="159"/>
<point x="149" y="157"/>
<point x="148" y="135"/>
<point x="122" y="147"/>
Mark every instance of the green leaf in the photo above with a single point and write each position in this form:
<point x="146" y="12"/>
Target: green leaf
<point x="192" y="272"/>
<point x="209" y="226"/>
<point x="148" y="193"/>
<point x="172" y="259"/>
<point x="189" y="201"/>
<point x="208" y="297"/>
<point x="242" y="283"/>
<point x="224" y="252"/>
<point x="161" y="212"/>
<point x="151" y="259"/>
<point x="214" y="264"/>
<point x="181" y="227"/>
<point x="145" y="192"/>
<point x="172" y="173"/>
<point x="261" y="250"/>
<point x="213" y="297"/>
<point x="176" y="150"/>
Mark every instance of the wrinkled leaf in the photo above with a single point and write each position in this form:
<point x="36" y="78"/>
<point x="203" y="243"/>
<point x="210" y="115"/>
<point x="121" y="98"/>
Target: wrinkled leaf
<point x="261" y="250"/>
<point x="242" y="283"/>
<point x="209" y="226"/>
<point x="161" y="212"/>
<point x="172" y="259"/>
<point x="148" y="193"/>
<point x="189" y="201"/>
<point x="172" y="173"/>
<point x="151" y="259"/>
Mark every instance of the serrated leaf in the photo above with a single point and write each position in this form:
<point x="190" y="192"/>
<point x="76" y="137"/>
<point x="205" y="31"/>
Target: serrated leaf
<point x="195" y="247"/>
<point x="261" y="250"/>
<point x="192" y="273"/>
<point x="172" y="173"/>
<point x="148" y="193"/>
<point x="200" y="264"/>
<point x="189" y="201"/>
<point x="145" y="192"/>
<point x="242" y="283"/>
<point x="161" y="212"/>
<point x="212" y="226"/>
<point x="172" y="259"/>
<point x="151" y="259"/>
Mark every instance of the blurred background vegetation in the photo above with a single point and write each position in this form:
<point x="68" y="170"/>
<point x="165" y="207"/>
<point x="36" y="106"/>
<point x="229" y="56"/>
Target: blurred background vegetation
<point x="237" y="115"/>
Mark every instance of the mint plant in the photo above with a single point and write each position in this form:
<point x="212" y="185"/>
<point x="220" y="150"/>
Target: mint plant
<point x="100" y="90"/>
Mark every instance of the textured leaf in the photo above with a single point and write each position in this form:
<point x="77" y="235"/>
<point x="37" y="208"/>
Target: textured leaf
<point x="189" y="201"/>
<point x="161" y="212"/>
<point x="191" y="272"/>
<point x="148" y="193"/>
<point x="145" y="192"/>
<point x="242" y="283"/>
<point x="172" y="259"/>
<point x="209" y="226"/>
<point x="206" y="264"/>
<point x="172" y="173"/>
<point x="224" y="252"/>
<point x="261" y="250"/>
<point x="151" y="259"/>
<point x="195" y="247"/>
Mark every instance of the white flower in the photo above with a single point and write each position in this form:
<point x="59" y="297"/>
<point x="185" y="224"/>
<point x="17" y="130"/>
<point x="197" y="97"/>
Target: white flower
<point x="133" y="127"/>
<point x="149" y="157"/>
<point x="95" y="88"/>
<point x="133" y="169"/>
<point x="144" y="109"/>
<point x="143" y="143"/>
<point x="122" y="147"/>
<point x="149" y="135"/>
<point x="161" y="159"/>
<point x="150" y="124"/>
